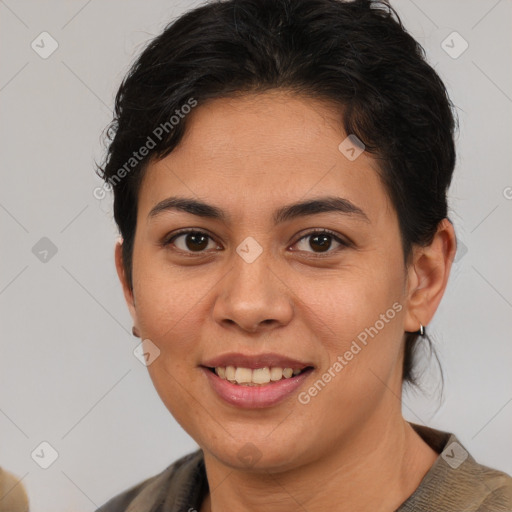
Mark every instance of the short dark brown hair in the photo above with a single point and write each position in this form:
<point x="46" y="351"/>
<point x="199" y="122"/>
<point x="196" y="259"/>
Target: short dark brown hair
<point x="356" y="54"/>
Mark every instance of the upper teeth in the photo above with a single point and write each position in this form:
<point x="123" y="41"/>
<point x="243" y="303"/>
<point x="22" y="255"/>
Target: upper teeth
<point x="258" y="376"/>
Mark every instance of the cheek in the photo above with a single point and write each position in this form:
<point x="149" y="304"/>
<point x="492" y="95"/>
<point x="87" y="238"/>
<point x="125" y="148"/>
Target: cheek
<point x="167" y="305"/>
<point x="357" y="317"/>
<point x="362" y="346"/>
<point x="347" y="302"/>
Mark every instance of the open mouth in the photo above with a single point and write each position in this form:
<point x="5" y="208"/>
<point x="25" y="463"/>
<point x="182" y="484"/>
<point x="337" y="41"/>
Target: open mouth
<point x="258" y="376"/>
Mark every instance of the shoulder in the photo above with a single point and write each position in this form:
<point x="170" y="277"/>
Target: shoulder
<point x="478" y="487"/>
<point x="457" y="481"/>
<point x="496" y="489"/>
<point x="145" y="495"/>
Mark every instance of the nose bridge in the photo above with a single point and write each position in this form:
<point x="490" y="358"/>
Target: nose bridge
<point x="251" y="277"/>
<point x="251" y="294"/>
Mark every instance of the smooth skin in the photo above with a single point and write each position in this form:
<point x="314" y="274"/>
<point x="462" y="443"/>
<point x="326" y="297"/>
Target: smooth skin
<point x="349" y="448"/>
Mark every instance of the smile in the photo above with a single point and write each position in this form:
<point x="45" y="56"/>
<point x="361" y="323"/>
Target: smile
<point x="256" y="377"/>
<point x="252" y="395"/>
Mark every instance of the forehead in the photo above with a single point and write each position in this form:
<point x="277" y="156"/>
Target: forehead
<point x="270" y="148"/>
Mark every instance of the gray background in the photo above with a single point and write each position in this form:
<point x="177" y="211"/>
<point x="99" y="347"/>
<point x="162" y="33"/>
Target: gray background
<point x="68" y="375"/>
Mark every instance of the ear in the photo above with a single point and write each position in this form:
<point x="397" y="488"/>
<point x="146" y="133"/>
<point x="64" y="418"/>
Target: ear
<point x="128" y="292"/>
<point x="428" y="276"/>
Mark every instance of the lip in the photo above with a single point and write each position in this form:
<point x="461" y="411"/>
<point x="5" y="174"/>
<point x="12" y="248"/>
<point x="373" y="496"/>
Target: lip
<point x="255" y="361"/>
<point x="255" y="397"/>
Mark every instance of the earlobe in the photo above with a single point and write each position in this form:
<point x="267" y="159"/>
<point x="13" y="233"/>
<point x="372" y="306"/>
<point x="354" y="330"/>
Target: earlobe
<point x="428" y="277"/>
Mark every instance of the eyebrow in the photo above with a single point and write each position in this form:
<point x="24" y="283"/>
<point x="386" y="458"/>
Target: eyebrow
<point x="318" y="205"/>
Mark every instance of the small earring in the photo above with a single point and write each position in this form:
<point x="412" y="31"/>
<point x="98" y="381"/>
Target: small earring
<point x="135" y="332"/>
<point x="421" y="331"/>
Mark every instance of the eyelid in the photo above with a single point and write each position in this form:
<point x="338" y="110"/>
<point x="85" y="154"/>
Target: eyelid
<point x="168" y="240"/>
<point x="324" y="231"/>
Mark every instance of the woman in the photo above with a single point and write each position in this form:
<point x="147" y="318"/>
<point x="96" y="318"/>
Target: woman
<point x="280" y="171"/>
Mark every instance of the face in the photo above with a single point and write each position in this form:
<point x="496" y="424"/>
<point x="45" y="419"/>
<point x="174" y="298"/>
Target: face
<point x="255" y="284"/>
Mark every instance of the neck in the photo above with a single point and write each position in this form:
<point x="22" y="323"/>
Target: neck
<point x="377" y="469"/>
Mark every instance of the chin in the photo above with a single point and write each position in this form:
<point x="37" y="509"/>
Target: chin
<point x="256" y="455"/>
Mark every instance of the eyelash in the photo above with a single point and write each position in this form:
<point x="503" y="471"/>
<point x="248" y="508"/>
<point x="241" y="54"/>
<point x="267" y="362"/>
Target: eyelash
<point x="170" y="240"/>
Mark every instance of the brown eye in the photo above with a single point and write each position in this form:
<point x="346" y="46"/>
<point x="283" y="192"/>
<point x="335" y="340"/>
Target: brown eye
<point x="320" y="241"/>
<point x="190" y="241"/>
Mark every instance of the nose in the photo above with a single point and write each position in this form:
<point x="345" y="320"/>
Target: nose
<point x="253" y="297"/>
